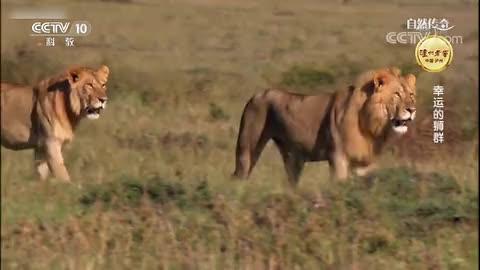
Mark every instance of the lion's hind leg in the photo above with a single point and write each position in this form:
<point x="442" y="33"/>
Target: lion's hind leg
<point x="258" y="149"/>
<point x="242" y="162"/>
<point x="252" y="137"/>
<point x="248" y="156"/>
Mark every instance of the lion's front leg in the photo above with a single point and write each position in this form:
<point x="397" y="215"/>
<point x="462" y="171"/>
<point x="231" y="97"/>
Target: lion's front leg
<point x="41" y="164"/>
<point x="365" y="170"/>
<point x="294" y="164"/>
<point x="338" y="166"/>
<point x="55" y="160"/>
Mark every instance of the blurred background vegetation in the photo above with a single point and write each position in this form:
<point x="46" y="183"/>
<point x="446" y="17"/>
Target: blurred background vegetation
<point x="152" y="186"/>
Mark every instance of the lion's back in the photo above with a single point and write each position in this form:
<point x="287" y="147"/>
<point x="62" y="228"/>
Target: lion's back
<point x="15" y="97"/>
<point x="16" y="110"/>
<point x="297" y="120"/>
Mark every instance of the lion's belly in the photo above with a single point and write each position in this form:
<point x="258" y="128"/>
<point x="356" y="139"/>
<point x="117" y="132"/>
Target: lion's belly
<point x="17" y="137"/>
<point x="319" y="155"/>
<point x="312" y="144"/>
<point x="310" y="139"/>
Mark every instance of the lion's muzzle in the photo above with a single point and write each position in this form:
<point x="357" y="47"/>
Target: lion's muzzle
<point x="93" y="111"/>
<point x="399" y="123"/>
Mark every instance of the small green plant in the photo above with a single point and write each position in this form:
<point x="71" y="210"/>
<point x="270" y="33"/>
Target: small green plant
<point x="161" y="191"/>
<point x="202" y="194"/>
<point x="306" y="77"/>
<point x="217" y="113"/>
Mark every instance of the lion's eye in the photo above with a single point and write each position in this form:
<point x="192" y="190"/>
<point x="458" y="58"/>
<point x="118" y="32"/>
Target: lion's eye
<point x="397" y="94"/>
<point x="104" y="85"/>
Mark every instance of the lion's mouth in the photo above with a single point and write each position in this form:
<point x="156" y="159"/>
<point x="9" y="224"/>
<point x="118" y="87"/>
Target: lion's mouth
<point x="400" y="125"/>
<point x="400" y="122"/>
<point x="93" y="113"/>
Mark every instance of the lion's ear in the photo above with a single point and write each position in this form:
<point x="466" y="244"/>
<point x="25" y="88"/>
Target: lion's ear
<point x="73" y="76"/>
<point x="411" y="79"/>
<point x="103" y="72"/>
<point x="395" y="71"/>
<point x="379" y="79"/>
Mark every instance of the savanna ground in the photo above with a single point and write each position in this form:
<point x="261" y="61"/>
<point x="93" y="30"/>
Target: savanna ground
<point x="152" y="186"/>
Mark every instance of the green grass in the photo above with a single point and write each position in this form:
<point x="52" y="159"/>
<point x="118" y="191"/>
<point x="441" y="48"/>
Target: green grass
<point x="152" y="187"/>
<point x="370" y="223"/>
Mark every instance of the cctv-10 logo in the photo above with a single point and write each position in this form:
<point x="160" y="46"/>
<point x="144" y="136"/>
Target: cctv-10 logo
<point x="76" y="28"/>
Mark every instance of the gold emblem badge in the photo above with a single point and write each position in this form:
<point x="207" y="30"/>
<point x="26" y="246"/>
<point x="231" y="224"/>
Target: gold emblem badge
<point x="434" y="53"/>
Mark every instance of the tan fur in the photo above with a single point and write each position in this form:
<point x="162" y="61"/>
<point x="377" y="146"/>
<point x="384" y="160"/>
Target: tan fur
<point x="348" y="128"/>
<point x="44" y="117"/>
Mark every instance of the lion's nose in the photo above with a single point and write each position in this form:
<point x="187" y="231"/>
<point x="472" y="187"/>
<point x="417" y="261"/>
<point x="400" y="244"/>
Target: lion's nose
<point x="412" y="111"/>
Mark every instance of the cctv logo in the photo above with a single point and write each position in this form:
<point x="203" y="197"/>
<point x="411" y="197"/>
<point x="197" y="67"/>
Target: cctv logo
<point x="50" y="27"/>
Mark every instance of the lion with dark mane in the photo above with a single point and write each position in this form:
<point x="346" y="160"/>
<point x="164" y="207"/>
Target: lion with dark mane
<point x="348" y="128"/>
<point x="44" y="117"/>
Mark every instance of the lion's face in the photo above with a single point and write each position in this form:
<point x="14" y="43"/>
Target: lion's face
<point x="391" y="104"/>
<point x="403" y="103"/>
<point x="88" y="96"/>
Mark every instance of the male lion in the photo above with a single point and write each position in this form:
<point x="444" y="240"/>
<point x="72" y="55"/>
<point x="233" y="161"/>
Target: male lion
<point x="44" y="117"/>
<point x="347" y="128"/>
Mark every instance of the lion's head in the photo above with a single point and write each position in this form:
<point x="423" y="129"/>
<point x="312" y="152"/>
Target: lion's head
<point x="390" y="101"/>
<point x="88" y="91"/>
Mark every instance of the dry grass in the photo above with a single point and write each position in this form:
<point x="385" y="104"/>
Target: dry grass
<point x="152" y="187"/>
